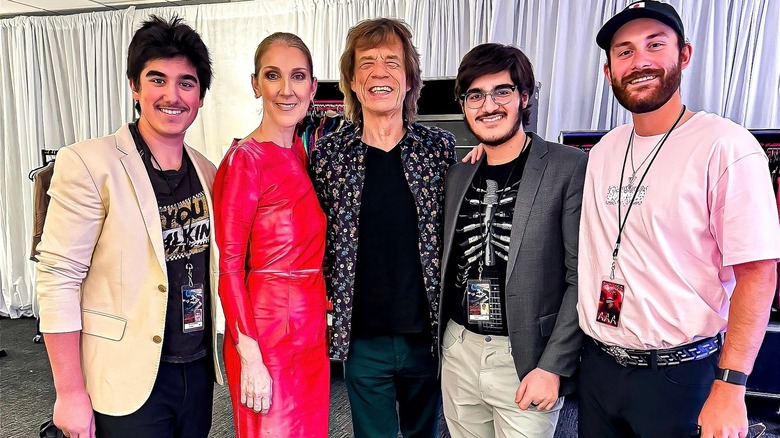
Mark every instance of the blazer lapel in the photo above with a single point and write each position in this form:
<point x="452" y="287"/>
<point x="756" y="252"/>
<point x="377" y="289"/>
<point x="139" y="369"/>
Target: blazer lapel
<point x="454" y="196"/>
<point x="144" y="193"/>
<point x="207" y="189"/>
<point x="526" y="194"/>
<point x="203" y="181"/>
<point x="217" y="318"/>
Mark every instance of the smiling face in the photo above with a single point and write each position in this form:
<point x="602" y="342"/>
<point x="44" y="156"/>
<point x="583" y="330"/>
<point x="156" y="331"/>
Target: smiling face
<point x="646" y="63"/>
<point x="379" y="79"/>
<point x="168" y="93"/>
<point x="285" y="84"/>
<point x="494" y="124"/>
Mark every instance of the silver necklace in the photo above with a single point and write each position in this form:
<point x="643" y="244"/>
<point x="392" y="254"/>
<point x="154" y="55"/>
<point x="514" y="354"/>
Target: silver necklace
<point x="634" y="170"/>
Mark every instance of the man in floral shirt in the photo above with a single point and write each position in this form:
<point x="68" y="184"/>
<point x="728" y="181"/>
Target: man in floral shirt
<point x="380" y="181"/>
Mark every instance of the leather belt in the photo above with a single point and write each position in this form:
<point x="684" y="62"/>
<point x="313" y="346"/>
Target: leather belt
<point x="289" y="273"/>
<point x="666" y="357"/>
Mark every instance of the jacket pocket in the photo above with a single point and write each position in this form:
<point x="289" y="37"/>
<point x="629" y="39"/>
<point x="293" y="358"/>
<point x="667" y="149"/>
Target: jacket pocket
<point x="547" y="324"/>
<point x="102" y="325"/>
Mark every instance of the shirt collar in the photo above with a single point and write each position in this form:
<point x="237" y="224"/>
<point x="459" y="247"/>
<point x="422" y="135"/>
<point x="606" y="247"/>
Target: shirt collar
<point x="354" y="134"/>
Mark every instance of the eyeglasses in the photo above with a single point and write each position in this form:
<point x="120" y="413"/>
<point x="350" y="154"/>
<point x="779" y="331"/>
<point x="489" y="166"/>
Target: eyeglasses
<point x="501" y="95"/>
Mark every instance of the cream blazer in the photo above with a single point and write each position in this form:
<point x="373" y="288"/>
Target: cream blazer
<point x="102" y="268"/>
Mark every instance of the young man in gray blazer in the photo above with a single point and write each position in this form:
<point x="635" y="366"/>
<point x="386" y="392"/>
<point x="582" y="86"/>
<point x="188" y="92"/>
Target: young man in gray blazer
<point x="510" y="340"/>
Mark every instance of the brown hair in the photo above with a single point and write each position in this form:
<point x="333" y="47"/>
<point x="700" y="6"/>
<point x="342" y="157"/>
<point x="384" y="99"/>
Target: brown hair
<point x="289" y="40"/>
<point x="373" y="33"/>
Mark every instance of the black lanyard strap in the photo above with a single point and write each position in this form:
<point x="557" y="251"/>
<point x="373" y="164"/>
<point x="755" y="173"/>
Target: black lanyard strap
<point x="184" y="231"/>
<point x="622" y="225"/>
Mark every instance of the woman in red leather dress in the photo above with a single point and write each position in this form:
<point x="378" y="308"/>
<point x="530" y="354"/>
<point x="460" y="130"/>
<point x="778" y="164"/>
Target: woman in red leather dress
<point x="271" y="235"/>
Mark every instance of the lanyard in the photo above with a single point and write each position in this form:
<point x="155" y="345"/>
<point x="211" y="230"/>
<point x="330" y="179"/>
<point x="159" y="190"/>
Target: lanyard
<point x="622" y="225"/>
<point x="184" y="232"/>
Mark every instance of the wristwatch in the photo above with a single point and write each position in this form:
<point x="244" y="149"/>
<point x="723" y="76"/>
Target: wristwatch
<point x="731" y="376"/>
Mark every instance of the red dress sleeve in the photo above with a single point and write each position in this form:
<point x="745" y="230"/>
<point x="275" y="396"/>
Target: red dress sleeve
<point x="236" y="196"/>
<point x="300" y="150"/>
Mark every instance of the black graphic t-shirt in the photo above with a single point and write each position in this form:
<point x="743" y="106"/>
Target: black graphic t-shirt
<point x="184" y="216"/>
<point x="482" y="239"/>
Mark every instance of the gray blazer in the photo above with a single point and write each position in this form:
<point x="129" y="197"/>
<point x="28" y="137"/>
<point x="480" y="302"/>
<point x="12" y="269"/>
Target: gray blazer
<point x="541" y="278"/>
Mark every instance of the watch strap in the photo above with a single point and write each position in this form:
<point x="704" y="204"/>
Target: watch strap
<point x="731" y="376"/>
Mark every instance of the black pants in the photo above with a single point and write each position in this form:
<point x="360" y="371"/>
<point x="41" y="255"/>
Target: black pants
<point x="179" y="405"/>
<point x="647" y="402"/>
<point x="383" y="370"/>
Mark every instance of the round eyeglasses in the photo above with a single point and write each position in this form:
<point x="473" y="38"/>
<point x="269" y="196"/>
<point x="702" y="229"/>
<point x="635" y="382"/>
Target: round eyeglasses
<point x="501" y="95"/>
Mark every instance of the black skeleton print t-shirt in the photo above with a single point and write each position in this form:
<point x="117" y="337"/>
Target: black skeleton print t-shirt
<point x="482" y="239"/>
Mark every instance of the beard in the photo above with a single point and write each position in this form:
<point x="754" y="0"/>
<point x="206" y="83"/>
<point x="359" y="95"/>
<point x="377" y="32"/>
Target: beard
<point x="669" y="83"/>
<point x="500" y="138"/>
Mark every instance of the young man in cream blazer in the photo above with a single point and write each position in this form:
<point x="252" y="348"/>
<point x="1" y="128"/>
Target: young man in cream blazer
<point x="128" y="268"/>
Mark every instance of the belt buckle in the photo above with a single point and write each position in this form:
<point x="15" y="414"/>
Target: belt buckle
<point x="619" y="354"/>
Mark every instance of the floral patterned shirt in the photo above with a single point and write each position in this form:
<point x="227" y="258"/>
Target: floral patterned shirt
<point x="338" y="173"/>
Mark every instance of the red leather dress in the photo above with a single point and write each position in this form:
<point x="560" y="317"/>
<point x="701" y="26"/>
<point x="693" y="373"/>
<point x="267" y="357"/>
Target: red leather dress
<point x="270" y="230"/>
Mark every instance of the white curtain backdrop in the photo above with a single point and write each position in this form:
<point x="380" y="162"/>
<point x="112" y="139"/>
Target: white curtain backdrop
<point x="60" y="83"/>
<point x="62" y="78"/>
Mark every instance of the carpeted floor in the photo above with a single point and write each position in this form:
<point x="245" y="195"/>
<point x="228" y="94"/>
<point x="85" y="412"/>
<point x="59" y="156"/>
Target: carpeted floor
<point x="26" y="393"/>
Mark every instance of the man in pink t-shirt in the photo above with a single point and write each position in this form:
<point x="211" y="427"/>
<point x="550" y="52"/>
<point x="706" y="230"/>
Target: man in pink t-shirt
<point x="678" y="243"/>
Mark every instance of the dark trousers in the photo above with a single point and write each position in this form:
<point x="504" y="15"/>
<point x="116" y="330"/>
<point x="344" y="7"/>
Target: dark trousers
<point x="383" y="370"/>
<point x="179" y="405"/>
<point x="647" y="402"/>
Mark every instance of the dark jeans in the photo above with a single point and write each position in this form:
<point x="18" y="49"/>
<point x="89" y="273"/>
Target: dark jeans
<point x="383" y="370"/>
<point x="624" y="402"/>
<point x="178" y="407"/>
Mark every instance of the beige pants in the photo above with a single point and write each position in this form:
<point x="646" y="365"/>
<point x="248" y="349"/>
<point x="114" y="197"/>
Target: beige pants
<point x="479" y="382"/>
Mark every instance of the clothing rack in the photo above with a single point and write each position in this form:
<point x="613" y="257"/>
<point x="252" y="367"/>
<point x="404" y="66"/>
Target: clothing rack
<point x="47" y="156"/>
<point x="323" y="117"/>
<point x="329" y="108"/>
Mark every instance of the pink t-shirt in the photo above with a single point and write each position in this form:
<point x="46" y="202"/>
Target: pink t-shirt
<point x="706" y="204"/>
